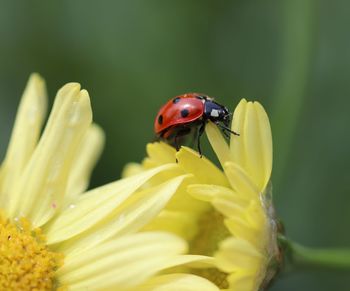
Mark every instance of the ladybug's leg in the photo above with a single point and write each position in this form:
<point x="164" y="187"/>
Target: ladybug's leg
<point x="181" y="132"/>
<point x="200" y="133"/>
<point x="176" y="141"/>
<point x="194" y="138"/>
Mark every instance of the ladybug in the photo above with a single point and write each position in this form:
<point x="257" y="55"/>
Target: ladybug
<point x="187" y="113"/>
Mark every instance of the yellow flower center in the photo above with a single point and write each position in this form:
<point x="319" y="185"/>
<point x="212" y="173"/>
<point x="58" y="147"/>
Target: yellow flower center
<point x="26" y="263"/>
<point x="211" y="232"/>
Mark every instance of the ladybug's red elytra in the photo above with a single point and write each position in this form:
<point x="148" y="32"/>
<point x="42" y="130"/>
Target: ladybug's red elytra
<point x="187" y="112"/>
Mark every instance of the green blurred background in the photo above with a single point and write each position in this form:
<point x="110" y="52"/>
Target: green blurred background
<point x="293" y="56"/>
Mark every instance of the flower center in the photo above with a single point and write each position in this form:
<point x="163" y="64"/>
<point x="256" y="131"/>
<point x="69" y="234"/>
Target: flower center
<point x="25" y="261"/>
<point x="211" y="232"/>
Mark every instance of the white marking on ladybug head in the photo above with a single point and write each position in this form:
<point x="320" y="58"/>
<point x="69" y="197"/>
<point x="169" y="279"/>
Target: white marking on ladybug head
<point x="214" y="113"/>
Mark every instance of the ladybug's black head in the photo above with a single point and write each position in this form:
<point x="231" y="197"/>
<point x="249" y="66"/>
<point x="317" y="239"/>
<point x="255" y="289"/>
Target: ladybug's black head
<point x="216" y="112"/>
<point x="226" y="119"/>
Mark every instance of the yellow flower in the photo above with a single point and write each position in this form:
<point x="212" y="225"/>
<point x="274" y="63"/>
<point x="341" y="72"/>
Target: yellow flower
<point x="53" y="235"/>
<point x="224" y="214"/>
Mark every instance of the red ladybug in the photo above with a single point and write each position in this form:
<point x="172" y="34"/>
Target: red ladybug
<point x="185" y="113"/>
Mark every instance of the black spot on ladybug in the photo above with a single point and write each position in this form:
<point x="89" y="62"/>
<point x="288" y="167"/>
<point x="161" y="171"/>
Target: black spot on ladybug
<point x="184" y="112"/>
<point x="160" y="119"/>
<point x="176" y="100"/>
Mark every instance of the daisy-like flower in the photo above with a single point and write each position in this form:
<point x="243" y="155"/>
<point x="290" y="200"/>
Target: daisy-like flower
<point x="225" y="214"/>
<point x="54" y="235"/>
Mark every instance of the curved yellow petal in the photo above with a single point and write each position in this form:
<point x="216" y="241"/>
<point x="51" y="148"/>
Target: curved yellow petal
<point x="218" y="143"/>
<point x="244" y="280"/>
<point x="84" y="161"/>
<point x="42" y="186"/>
<point x="96" y="205"/>
<point x="208" y="192"/>
<point x="237" y="254"/>
<point x="265" y="142"/>
<point x="177" y="282"/>
<point x="241" y="182"/>
<point x="121" y="263"/>
<point x="253" y="149"/>
<point x="243" y="229"/>
<point x="161" y="153"/>
<point x="228" y="208"/>
<point x="181" y="223"/>
<point x="182" y="201"/>
<point x="131" y="169"/>
<point x="126" y="262"/>
<point x="204" y="170"/>
<point x="129" y="217"/>
<point x="236" y="144"/>
<point x="30" y="117"/>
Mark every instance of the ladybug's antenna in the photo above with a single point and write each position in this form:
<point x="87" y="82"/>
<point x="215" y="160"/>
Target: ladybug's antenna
<point x="223" y="127"/>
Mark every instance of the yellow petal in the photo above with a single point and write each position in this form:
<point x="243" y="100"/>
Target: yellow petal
<point x="41" y="188"/>
<point x="252" y="151"/>
<point x="96" y="205"/>
<point x="124" y="262"/>
<point x="235" y="254"/>
<point x="255" y="214"/>
<point x="237" y="144"/>
<point x="84" y="161"/>
<point x="265" y="142"/>
<point x="240" y="181"/>
<point x="242" y="229"/>
<point x="130" y="217"/>
<point x="228" y="208"/>
<point x="253" y="146"/>
<point x="177" y="282"/>
<point x="132" y="169"/>
<point x="218" y="143"/>
<point x="209" y="193"/>
<point x="204" y="170"/>
<point x="244" y="280"/>
<point x="25" y="134"/>
<point x="182" y="201"/>
<point x="181" y="223"/>
<point x="161" y="153"/>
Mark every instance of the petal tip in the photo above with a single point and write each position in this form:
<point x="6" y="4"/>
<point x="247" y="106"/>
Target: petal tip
<point x="69" y="88"/>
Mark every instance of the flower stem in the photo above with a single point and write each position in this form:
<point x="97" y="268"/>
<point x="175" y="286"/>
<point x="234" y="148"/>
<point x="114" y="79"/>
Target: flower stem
<point x="299" y="256"/>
